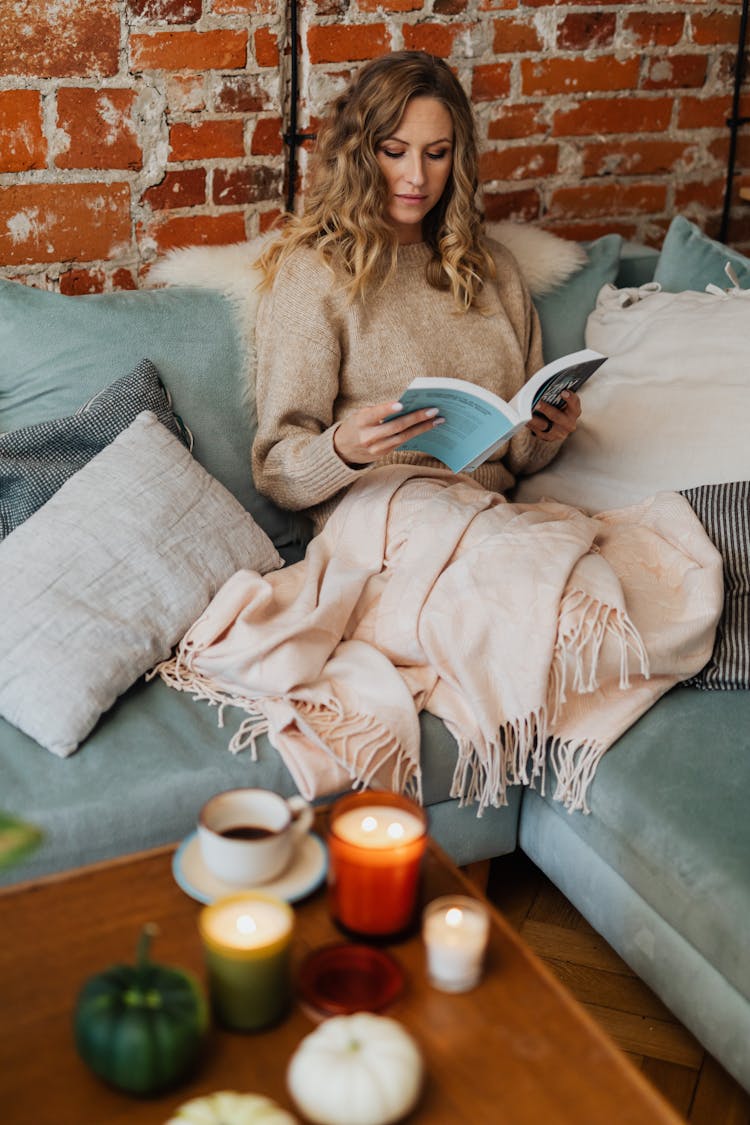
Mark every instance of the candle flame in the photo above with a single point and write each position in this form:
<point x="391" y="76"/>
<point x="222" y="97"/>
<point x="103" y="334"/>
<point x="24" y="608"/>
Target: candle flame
<point x="395" y="830"/>
<point x="369" y="823"/>
<point x="454" y="917"/>
<point x="246" y="924"/>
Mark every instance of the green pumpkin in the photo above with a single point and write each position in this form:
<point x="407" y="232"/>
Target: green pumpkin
<point x="140" y="1026"/>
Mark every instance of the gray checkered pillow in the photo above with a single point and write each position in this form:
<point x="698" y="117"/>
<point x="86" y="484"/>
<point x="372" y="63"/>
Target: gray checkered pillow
<point x="724" y="511"/>
<point x="37" y="460"/>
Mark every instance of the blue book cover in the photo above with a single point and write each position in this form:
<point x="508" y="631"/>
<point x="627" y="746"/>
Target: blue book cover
<point x="478" y="422"/>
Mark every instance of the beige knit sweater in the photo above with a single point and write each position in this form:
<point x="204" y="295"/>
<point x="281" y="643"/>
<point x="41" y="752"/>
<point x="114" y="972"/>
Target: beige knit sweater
<point x="321" y="357"/>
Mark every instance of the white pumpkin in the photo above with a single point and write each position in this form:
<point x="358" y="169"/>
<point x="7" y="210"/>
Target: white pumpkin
<point x="228" y="1108"/>
<point x="356" y="1070"/>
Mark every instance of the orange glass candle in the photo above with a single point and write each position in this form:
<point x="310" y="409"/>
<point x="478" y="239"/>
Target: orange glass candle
<point x="375" y="846"/>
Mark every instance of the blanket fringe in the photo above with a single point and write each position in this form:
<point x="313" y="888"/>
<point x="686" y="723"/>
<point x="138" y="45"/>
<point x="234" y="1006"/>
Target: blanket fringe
<point x="574" y="767"/>
<point x="365" y="747"/>
<point x="483" y="779"/>
<point x="516" y="757"/>
<point x="579" y="648"/>
<point x="177" y="674"/>
<point x="519" y="755"/>
<point x="247" y="735"/>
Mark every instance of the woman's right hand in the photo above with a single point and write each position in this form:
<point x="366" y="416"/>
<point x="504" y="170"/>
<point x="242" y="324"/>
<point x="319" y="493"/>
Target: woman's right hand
<point x="364" y="436"/>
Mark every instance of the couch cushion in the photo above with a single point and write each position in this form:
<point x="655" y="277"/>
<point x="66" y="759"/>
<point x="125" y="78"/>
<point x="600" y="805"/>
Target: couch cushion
<point x="637" y="265"/>
<point x="105" y="578"/>
<point x="689" y="259"/>
<point x="669" y="814"/>
<point x="563" y="311"/>
<point x="37" y="460"/>
<point x="57" y="351"/>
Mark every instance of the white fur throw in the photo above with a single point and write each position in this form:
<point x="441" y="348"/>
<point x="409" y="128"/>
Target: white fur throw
<point x="227" y="268"/>
<point x="544" y="259"/>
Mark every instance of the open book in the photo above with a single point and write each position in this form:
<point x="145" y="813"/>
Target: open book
<point x="478" y="422"/>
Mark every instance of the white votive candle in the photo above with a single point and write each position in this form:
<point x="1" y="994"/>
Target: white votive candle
<point x="455" y="930"/>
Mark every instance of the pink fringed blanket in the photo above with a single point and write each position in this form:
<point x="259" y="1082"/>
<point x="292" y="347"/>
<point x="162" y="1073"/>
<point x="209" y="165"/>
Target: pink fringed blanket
<point x="526" y="628"/>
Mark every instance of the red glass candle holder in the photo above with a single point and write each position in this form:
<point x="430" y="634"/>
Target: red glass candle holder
<point x="375" y="846"/>
<point x="346" y="977"/>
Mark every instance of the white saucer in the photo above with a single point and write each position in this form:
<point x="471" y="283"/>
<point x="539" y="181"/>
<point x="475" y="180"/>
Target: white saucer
<point x="305" y="872"/>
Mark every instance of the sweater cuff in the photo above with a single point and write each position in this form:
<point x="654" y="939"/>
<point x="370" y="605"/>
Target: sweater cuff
<point x="322" y="468"/>
<point x="529" y="454"/>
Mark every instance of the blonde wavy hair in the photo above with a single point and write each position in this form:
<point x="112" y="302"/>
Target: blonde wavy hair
<point x="344" y="212"/>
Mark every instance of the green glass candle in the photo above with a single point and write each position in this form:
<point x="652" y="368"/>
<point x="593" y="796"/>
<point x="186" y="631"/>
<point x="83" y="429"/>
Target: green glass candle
<point x="246" y="941"/>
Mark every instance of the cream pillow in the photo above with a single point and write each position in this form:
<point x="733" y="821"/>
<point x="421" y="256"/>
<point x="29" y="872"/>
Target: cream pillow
<point x="101" y="581"/>
<point x="667" y="410"/>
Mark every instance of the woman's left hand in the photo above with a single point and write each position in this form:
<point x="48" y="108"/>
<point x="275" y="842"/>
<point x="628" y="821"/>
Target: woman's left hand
<point x="550" y="424"/>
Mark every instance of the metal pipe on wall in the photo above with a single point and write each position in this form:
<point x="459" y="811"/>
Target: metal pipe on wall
<point x="292" y="138"/>
<point x="735" y="121"/>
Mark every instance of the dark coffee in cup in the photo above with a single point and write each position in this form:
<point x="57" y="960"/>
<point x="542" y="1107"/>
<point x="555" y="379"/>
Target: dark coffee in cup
<point x="247" y="832"/>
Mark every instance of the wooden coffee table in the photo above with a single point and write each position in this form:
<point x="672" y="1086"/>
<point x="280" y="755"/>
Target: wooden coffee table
<point x="518" y="1050"/>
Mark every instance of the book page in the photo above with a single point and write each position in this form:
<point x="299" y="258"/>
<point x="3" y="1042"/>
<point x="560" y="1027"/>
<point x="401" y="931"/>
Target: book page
<point x="567" y="373"/>
<point x="473" y="421"/>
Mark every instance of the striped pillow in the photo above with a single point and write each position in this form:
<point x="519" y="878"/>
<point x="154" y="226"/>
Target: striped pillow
<point x="724" y="511"/>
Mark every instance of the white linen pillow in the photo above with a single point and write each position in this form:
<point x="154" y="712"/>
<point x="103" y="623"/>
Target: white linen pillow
<point x="667" y="410"/>
<point x="102" y="581"/>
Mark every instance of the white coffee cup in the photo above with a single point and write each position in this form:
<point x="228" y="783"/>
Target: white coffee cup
<point x="248" y="836"/>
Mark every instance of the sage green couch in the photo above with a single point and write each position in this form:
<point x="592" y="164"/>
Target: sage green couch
<point x="661" y="866"/>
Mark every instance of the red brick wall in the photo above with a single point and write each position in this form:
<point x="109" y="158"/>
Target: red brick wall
<point x="131" y="126"/>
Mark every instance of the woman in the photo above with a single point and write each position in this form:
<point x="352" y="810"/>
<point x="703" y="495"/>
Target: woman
<point x="385" y="276"/>
<point x="422" y="589"/>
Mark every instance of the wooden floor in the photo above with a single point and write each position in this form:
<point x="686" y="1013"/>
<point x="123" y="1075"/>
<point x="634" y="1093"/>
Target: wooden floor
<point x="697" y="1086"/>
